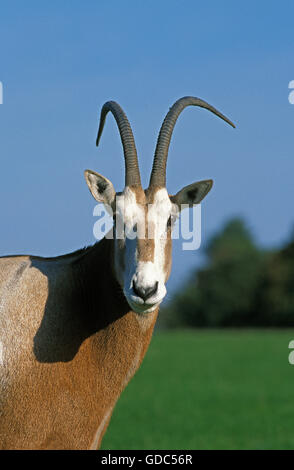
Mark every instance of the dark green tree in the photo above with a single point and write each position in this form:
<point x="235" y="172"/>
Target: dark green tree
<point x="223" y="292"/>
<point x="275" y="296"/>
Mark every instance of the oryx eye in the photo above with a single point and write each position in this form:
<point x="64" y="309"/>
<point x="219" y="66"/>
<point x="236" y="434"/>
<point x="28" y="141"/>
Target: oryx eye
<point x="171" y="221"/>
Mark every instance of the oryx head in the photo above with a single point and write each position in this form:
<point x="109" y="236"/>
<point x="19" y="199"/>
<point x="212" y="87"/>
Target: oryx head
<point x="143" y="219"/>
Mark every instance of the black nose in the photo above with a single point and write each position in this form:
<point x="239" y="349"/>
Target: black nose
<point x="145" y="293"/>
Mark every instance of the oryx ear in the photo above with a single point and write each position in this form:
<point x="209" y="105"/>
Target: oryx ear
<point x="193" y="193"/>
<point x="101" y="188"/>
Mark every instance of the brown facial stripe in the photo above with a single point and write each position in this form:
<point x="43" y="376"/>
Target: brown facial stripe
<point x="167" y="254"/>
<point x="146" y="245"/>
<point x="150" y="196"/>
<point x="145" y="249"/>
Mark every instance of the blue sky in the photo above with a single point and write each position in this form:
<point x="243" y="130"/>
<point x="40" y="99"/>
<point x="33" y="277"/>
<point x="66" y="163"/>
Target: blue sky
<point x="61" y="60"/>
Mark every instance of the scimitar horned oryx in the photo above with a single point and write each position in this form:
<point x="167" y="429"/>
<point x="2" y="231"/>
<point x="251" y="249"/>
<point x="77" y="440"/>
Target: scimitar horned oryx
<point x="75" y="328"/>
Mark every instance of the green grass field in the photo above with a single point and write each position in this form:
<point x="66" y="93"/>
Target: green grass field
<point x="225" y="389"/>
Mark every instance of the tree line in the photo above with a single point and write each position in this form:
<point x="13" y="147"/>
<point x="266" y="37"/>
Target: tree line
<point x="240" y="285"/>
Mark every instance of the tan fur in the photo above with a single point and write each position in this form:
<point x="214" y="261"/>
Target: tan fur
<point x="69" y="350"/>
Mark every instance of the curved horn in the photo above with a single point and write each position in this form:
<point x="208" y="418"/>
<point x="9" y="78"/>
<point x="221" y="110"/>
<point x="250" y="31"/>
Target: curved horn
<point x="158" y="174"/>
<point x="132" y="175"/>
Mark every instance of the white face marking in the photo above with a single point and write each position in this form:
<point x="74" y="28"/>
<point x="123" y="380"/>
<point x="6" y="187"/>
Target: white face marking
<point x="144" y="275"/>
<point x="129" y="212"/>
